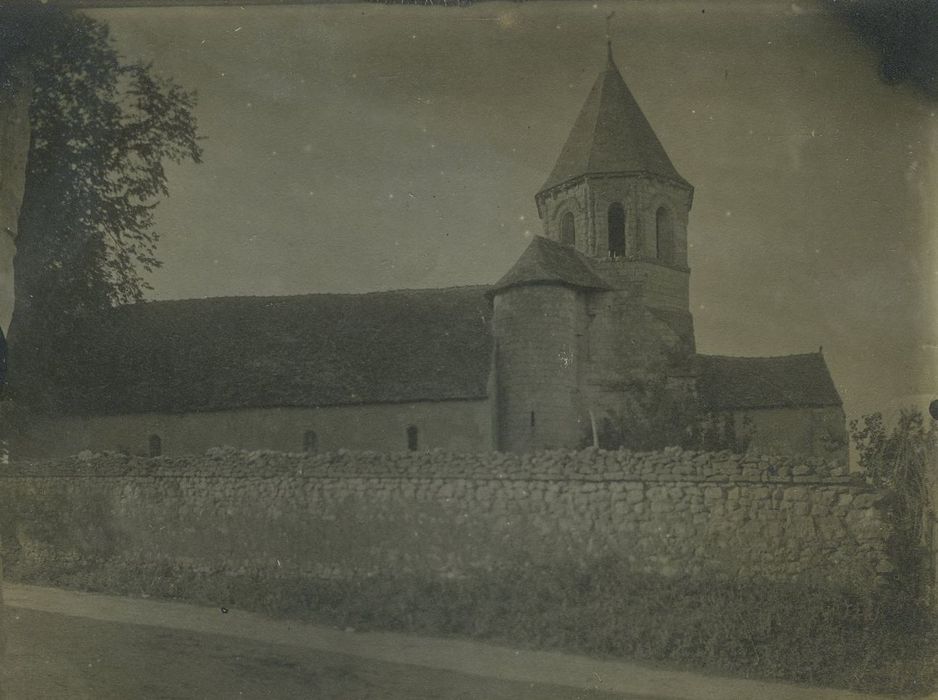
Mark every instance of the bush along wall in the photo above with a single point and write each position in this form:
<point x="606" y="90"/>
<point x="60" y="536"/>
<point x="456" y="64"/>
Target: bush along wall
<point x="756" y="565"/>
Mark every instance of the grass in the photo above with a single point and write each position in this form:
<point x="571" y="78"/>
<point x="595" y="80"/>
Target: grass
<point x="800" y="633"/>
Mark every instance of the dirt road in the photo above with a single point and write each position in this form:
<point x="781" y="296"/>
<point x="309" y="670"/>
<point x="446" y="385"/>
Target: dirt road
<point x="64" y="644"/>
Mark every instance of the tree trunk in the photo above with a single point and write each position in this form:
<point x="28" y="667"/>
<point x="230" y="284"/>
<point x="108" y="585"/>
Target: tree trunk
<point x="15" y="93"/>
<point x="15" y="96"/>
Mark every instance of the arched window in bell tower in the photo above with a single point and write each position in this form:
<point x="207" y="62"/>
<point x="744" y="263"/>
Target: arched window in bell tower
<point x="616" y="228"/>
<point x="568" y="229"/>
<point x="664" y="235"/>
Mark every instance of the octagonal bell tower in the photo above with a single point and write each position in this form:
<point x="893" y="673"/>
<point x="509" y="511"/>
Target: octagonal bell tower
<point x="615" y="196"/>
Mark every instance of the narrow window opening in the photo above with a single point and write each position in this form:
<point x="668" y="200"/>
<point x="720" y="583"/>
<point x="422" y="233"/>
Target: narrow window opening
<point x="532" y="419"/>
<point x="310" y="441"/>
<point x="616" y="221"/>
<point x="568" y="229"/>
<point x="412" y="438"/>
<point x="664" y="235"/>
<point x="155" y="445"/>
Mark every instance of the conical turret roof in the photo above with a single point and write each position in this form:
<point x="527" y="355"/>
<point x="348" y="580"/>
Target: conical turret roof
<point x="547" y="262"/>
<point x="611" y="135"/>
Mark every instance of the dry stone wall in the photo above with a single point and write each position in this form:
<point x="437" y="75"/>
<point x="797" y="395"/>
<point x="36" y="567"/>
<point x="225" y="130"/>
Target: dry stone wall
<point x="356" y="514"/>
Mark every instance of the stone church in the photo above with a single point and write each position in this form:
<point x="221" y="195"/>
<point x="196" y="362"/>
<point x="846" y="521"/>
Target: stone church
<point x="587" y="339"/>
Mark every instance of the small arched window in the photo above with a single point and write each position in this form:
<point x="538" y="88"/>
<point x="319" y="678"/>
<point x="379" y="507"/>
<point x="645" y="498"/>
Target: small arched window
<point x="412" y="436"/>
<point x="616" y="228"/>
<point x="155" y="445"/>
<point x="310" y="441"/>
<point x="568" y="229"/>
<point x="664" y="235"/>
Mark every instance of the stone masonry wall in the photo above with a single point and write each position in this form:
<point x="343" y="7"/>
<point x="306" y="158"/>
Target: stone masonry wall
<point x="433" y="513"/>
<point x="458" y="426"/>
<point x="536" y="364"/>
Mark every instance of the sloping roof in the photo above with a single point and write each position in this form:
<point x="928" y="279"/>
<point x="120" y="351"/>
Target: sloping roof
<point x="611" y="135"/>
<point x="765" y="382"/>
<point x="311" y="350"/>
<point x="547" y="262"/>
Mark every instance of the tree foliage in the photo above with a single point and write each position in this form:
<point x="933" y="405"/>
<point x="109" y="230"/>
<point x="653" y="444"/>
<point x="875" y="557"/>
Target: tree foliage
<point x="899" y="459"/>
<point x="656" y="414"/>
<point x="102" y="132"/>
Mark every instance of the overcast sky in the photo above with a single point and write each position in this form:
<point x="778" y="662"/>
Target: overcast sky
<point x="363" y="147"/>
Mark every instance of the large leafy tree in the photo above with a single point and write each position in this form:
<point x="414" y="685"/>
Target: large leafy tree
<point x="102" y="132"/>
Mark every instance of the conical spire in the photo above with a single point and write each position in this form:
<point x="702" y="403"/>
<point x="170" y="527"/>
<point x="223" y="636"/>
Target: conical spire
<point x="611" y="135"/>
